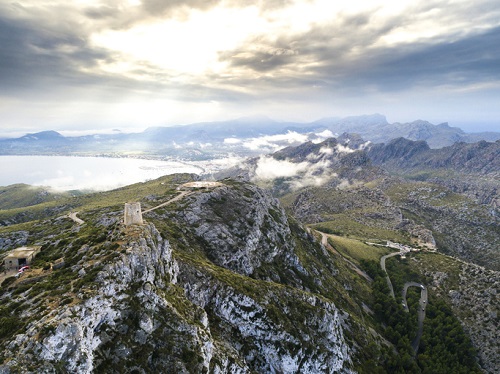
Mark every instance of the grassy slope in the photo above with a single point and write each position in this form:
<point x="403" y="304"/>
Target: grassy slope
<point x="150" y="194"/>
<point x="356" y="250"/>
<point x="343" y="224"/>
<point x="359" y="212"/>
<point x="23" y="195"/>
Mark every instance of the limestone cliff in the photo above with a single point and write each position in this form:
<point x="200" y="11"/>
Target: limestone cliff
<point x="191" y="295"/>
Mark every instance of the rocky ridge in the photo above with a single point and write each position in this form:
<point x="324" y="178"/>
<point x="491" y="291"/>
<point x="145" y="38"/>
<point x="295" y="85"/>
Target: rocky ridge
<point x="376" y="129"/>
<point x="480" y="158"/>
<point x="469" y="169"/>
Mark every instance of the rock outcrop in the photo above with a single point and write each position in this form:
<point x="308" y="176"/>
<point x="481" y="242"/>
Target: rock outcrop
<point x="13" y="240"/>
<point x="241" y="231"/>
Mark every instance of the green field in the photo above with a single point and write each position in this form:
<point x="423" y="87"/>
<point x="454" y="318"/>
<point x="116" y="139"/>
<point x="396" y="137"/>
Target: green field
<point x="355" y="249"/>
<point x="341" y="224"/>
<point x="149" y="194"/>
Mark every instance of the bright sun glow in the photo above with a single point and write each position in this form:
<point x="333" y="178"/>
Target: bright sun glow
<point x="190" y="47"/>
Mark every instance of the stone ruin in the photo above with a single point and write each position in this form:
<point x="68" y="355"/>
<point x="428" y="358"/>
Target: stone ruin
<point x="133" y="214"/>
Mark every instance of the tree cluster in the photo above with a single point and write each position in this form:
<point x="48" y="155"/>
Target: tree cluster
<point x="444" y="347"/>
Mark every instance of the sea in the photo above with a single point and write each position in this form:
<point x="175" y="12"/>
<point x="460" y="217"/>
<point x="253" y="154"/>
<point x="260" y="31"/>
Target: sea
<point x="66" y="173"/>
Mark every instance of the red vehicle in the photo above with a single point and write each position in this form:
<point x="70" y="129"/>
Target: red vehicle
<point x="21" y="270"/>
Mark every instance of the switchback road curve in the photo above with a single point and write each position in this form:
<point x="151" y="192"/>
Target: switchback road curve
<point x="422" y="303"/>
<point x="421" y="311"/>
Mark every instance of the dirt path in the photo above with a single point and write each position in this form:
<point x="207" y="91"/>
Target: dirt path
<point x="178" y="197"/>
<point x="75" y="218"/>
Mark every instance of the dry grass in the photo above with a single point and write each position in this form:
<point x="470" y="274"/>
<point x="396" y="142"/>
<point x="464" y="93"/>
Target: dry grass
<point x="355" y="249"/>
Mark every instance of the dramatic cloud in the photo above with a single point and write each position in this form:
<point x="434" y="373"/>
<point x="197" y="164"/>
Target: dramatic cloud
<point x="342" y="149"/>
<point x="297" y="174"/>
<point x="275" y="142"/>
<point x="132" y="63"/>
<point x="268" y="168"/>
<point x="326" y="151"/>
<point x="232" y="141"/>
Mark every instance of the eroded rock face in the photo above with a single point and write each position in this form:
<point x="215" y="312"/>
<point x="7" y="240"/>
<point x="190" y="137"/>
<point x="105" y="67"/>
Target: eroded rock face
<point x="146" y="264"/>
<point x="273" y="335"/>
<point x="241" y="229"/>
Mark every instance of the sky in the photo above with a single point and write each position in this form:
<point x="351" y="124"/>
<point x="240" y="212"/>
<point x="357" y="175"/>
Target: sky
<point x="94" y="66"/>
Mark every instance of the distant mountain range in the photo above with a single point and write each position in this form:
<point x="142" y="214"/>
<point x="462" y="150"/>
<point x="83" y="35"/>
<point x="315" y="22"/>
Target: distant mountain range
<point x="208" y="139"/>
<point x="376" y="129"/>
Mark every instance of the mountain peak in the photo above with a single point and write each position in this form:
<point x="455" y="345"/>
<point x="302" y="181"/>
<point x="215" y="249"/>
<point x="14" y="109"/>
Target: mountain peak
<point x="362" y="120"/>
<point x="43" y="135"/>
<point x="259" y="118"/>
<point x="375" y="118"/>
<point x="400" y="149"/>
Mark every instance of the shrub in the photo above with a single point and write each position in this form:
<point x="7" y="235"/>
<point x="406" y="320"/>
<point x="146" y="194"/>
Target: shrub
<point x="8" y="281"/>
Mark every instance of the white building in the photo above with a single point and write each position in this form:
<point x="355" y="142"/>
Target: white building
<point x="20" y="257"/>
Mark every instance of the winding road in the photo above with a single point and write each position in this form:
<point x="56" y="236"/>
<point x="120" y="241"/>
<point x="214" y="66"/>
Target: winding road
<point x="422" y="303"/>
<point x="382" y="265"/>
<point x="423" y="290"/>
<point x="421" y="311"/>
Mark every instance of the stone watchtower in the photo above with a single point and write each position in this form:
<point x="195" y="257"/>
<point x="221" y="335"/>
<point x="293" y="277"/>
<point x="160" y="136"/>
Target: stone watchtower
<point x="133" y="214"/>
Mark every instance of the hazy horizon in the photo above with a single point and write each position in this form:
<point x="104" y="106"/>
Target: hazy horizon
<point x="474" y="128"/>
